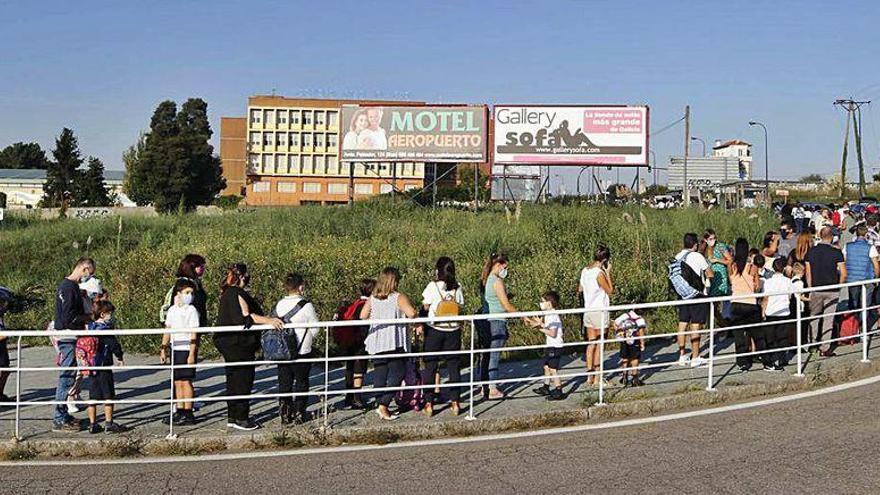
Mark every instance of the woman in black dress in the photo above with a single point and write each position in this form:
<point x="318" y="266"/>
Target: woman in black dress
<point x="239" y="308"/>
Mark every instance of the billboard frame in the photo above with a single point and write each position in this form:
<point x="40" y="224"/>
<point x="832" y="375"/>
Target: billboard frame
<point x="647" y="108"/>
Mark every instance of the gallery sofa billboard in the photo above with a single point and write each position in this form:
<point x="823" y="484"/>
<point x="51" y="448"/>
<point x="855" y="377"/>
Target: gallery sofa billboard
<point x="413" y="133"/>
<point x="571" y="135"/>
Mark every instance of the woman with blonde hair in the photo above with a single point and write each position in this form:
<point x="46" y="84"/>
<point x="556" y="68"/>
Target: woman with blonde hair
<point x="385" y="303"/>
<point x="799" y="253"/>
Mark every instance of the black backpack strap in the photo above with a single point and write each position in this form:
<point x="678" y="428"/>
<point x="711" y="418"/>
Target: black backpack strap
<point x="290" y="314"/>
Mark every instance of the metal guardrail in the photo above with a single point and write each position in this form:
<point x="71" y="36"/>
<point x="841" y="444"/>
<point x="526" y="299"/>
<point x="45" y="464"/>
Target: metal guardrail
<point x="325" y="392"/>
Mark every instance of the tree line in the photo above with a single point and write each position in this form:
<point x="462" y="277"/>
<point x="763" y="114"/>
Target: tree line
<point x="171" y="167"/>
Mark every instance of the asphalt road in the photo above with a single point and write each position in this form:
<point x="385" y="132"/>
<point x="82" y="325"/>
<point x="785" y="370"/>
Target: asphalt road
<point x="823" y="444"/>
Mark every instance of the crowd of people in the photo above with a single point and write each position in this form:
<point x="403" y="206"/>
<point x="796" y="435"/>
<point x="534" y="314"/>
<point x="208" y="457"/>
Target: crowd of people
<point x="799" y="254"/>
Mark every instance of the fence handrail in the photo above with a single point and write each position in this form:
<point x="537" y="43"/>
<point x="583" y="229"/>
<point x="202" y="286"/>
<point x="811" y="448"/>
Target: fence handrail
<point x="437" y="319"/>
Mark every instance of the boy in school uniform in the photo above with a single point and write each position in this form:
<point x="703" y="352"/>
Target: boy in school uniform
<point x="628" y="326"/>
<point x="551" y="327"/>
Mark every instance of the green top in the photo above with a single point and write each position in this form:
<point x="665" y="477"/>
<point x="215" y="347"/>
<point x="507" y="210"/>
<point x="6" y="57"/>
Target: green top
<point x="491" y="297"/>
<point x="720" y="284"/>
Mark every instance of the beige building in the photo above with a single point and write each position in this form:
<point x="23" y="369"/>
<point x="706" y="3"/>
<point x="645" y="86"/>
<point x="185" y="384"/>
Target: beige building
<point x="286" y="152"/>
<point x="23" y="188"/>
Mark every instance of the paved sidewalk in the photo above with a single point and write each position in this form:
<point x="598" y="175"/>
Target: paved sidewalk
<point x="145" y="419"/>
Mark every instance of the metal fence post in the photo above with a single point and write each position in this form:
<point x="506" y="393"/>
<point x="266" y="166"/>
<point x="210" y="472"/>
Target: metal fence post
<point x="799" y="323"/>
<point x="710" y="387"/>
<point x="326" y="375"/>
<point x="170" y="354"/>
<point x="602" y="360"/>
<point x="865" y="323"/>
<point x="18" y="390"/>
<point x="470" y="416"/>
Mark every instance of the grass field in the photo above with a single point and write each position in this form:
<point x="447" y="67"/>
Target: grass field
<point x="334" y="247"/>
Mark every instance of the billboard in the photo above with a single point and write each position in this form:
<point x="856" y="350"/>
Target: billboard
<point x="571" y="135"/>
<point x="413" y="133"/>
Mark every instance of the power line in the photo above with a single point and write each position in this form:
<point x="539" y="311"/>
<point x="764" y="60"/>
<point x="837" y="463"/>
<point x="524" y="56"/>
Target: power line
<point x="853" y="113"/>
<point x="667" y="127"/>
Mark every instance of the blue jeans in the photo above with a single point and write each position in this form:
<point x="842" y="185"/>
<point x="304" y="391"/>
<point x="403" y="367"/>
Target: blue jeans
<point x="65" y="381"/>
<point x="496" y="337"/>
<point x="855" y="303"/>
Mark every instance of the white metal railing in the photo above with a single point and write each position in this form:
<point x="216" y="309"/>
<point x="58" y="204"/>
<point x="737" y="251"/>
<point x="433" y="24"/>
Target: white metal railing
<point x="472" y="352"/>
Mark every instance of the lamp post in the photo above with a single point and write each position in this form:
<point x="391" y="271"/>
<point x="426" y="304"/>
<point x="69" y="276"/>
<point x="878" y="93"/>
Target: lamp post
<point x="766" y="163"/>
<point x="695" y="138"/>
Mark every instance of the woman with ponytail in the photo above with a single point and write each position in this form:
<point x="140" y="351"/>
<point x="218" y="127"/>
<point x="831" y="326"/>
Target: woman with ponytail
<point x="495" y="301"/>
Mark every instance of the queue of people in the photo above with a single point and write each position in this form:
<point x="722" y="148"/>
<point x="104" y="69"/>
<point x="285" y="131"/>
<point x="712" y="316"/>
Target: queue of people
<point x="788" y="259"/>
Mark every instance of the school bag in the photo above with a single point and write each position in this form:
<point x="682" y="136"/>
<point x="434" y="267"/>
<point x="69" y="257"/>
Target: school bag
<point x="683" y="280"/>
<point x="447" y="307"/>
<point x="849" y="327"/>
<point x="282" y="345"/>
<point x="86" y="352"/>
<point x="349" y="335"/>
<point x="411" y="399"/>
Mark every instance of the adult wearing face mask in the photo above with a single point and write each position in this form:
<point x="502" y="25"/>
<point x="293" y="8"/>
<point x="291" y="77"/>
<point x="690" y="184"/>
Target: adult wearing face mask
<point x="239" y="308"/>
<point x="496" y="301"/>
<point x="70" y="315"/>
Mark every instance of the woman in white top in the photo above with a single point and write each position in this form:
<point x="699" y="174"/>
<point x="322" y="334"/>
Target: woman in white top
<point x="294" y="377"/>
<point x="387" y="304"/>
<point x="356" y="126"/>
<point x="444" y="292"/>
<point x="596" y="287"/>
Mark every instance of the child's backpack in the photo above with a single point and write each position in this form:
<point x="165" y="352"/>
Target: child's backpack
<point x="411" y="399"/>
<point x="683" y="280"/>
<point x="849" y="327"/>
<point x="282" y="345"/>
<point x="86" y="352"/>
<point x="447" y="307"/>
<point x="166" y="304"/>
<point x="349" y="335"/>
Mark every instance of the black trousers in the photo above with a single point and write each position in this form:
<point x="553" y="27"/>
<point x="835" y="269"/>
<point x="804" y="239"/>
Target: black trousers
<point x="435" y="341"/>
<point x="745" y="314"/>
<point x="294" y="377"/>
<point x="239" y="379"/>
<point x="776" y="337"/>
<point x="388" y="372"/>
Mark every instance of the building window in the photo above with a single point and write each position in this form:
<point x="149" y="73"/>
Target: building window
<point x="294" y="117"/>
<point x="319" y="140"/>
<point x="294" y="140"/>
<point x="268" y="163"/>
<point x="337" y="188"/>
<point x="311" y="187"/>
<point x="254" y="161"/>
<point x="363" y="189"/>
<point x="255" y="138"/>
<point x="287" y="187"/>
<point x="331" y="140"/>
<point x="282" y="139"/>
<point x="319" y="118"/>
<point x="307" y="118"/>
<point x="410" y="187"/>
<point x="281" y="163"/>
<point x="282" y="116"/>
<point x="332" y="160"/>
<point x="333" y="118"/>
<point x="307" y="164"/>
<point x="270" y="117"/>
<point x="267" y="138"/>
<point x="385" y="189"/>
<point x="256" y="116"/>
<point x="307" y="140"/>
<point x="261" y="187"/>
<point x="320" y="163"/>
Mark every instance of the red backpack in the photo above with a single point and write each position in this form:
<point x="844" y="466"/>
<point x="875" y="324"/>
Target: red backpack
<point x="350" y="335"/>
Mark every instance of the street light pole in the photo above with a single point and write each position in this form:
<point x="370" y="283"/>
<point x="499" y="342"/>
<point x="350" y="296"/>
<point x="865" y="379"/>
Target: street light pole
<point x="766" y="163"/>
<point x="654" y="166"/>
<point x="695" y="138"/>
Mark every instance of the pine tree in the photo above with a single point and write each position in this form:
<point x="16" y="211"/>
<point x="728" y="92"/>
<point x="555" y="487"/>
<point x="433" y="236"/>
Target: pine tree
<point x="176" y="168"/>
<point x="23" y="156"/>
<point x="89" y="187"/>
<point x="58" y="188"/>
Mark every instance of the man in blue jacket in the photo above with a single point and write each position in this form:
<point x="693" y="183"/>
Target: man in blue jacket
<point x="70" y="314"/>
<point x="862" y="263"/>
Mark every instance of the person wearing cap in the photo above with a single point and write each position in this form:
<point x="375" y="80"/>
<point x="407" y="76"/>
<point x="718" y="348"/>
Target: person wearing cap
<point x="5" y="300"/>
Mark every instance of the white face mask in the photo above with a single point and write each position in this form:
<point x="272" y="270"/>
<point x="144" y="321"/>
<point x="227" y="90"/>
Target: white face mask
<point x="502" y="273"/>
<point x="545" y="306"/>
<point x="186" y="299"/>
<point x="711" y="243"/>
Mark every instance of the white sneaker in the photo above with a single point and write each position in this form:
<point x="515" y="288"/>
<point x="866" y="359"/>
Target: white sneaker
<point x="698" y="362"/>
<point x="683" y="360"/>
<point x="72" y="407"/>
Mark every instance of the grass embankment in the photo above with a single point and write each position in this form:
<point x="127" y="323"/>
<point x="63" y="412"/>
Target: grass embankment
<point x="336" y="247"/>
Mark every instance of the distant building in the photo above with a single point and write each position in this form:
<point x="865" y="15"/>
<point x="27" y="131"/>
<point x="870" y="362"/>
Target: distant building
<point x="24" y="187"/>
<point x="286" y="152"/>
<point x="738" y="149"/>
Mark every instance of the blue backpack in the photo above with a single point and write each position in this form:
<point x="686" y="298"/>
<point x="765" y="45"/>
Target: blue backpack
<point x="278" y="344"/>
<point x="683" y="279"/>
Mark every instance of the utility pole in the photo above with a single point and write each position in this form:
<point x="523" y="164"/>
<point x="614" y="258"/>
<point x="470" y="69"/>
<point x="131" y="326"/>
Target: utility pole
<point x="687" y="141"/>
<point x="852" y="108"/>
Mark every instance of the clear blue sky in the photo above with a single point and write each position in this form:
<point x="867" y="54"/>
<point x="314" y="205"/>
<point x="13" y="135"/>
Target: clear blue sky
<point x="102" y="67"/>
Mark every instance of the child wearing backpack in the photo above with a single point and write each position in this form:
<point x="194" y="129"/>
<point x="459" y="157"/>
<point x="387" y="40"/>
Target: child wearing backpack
<point x="294" y="377"/>
<point x="350" y="342"/>
<point x="184" y="347"/>
<point x="101" y="385"/>
<point x="5" y="300"/>
<point x="628" y="326"/>
<point x="551" y="327"/>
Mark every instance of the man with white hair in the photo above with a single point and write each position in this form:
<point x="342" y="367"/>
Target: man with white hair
<point x="825" y="267"/>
